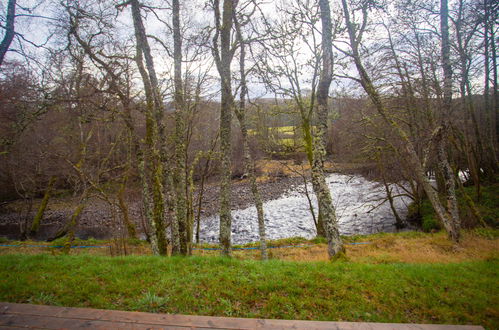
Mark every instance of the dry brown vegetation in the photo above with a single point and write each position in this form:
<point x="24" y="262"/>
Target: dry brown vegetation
<point x="405" y="247"/>
<point x="271" y="168"/>
<point x="389" y="248"/>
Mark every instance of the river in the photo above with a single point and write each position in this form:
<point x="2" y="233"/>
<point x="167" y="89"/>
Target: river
<point x="356" y="200"/>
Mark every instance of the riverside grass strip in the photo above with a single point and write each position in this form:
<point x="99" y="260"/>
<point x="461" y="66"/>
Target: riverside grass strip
<point x="454" y="293"/>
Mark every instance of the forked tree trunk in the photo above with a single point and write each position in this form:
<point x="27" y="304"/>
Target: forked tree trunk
<point x="153" y="168"/>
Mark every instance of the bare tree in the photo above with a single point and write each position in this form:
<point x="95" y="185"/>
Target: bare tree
<point x="185" y="230"/>
<point x="355" y="33"/>
<point x="335" y="245"/>
<point x="224" y="53"/>
<point x="240" y="112"/>
<point x="154" y="127"/>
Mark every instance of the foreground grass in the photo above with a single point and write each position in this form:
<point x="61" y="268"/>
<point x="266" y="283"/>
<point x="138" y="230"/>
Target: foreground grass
<point x="460" y="293"/>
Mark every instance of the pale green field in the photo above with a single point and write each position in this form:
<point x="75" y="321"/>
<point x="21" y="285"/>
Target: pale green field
<point x="287" y="136"/>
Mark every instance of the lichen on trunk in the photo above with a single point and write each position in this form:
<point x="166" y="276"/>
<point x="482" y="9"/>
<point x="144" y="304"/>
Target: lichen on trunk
<point x="35" y="225"/>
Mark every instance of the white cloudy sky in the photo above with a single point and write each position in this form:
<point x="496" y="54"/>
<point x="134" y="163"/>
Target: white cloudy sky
<point x="195" y="17"/>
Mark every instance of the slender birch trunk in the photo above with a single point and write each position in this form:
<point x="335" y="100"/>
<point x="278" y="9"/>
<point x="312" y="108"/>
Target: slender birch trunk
<point x="248" y="158"/>
<point x="223" y="59"/>
<point x="180" y="147"/>
<point x="325" y="201"/>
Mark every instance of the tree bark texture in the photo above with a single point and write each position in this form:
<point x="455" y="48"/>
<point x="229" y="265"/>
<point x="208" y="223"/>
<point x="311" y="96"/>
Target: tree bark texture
<point x="227" y="103"/>
<point x="9" y="30"/>
<point x="153" y="168"/>
<point x="324" y="198"/>
<point x="180" y="147"/>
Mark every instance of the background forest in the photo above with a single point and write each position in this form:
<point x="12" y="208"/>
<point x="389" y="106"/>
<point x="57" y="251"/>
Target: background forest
<point x="151" y="101"/>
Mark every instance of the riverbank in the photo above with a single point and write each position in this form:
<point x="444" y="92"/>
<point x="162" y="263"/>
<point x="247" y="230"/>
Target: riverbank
<point x="454" y="293"/>
<point x="96" y="220"/>
<point x="405" y="247"/>
<point x="276" y="179"/>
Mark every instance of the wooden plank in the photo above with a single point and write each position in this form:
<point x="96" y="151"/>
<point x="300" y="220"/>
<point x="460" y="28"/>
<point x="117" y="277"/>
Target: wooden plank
<point x="48" y="322"/>
<point x="51" y="317"/>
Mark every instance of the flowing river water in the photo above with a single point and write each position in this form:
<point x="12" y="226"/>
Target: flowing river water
<point x="356" y="199"/>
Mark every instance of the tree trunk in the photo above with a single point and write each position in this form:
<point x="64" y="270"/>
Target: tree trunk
<point x="153" y="168"/>
<point x="180" y="147"/>
<point x="443" y="162"/>
<point x="41" y="210"/>
<point x="495" y="106"/>
<point x="325" y="201"/>
<point x="9" y="30"/>
<point x="248" y="158"/>
<point x="250" y="168"/>
<point x="309" y="148"/>
<point x="223" y="60"/>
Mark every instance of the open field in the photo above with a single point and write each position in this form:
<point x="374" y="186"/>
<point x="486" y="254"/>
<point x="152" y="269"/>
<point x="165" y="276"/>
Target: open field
<point x="455" y="293"/>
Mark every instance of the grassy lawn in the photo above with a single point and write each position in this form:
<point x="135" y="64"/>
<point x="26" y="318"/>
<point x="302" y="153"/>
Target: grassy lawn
<point x="457" y="293"/>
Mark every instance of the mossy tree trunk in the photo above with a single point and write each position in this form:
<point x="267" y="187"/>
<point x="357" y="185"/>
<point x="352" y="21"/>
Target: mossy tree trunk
<point x="35" y="225"/>
<point x="153" y="167"/>
<point x="223" y="54"/>
<point x="443" y="162"/>
<point x="324" y="198"/>
<point x="180" y="145"/>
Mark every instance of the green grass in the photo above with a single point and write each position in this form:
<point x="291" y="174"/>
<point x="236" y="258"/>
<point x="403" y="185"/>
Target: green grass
<point x="464" y="293"/>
